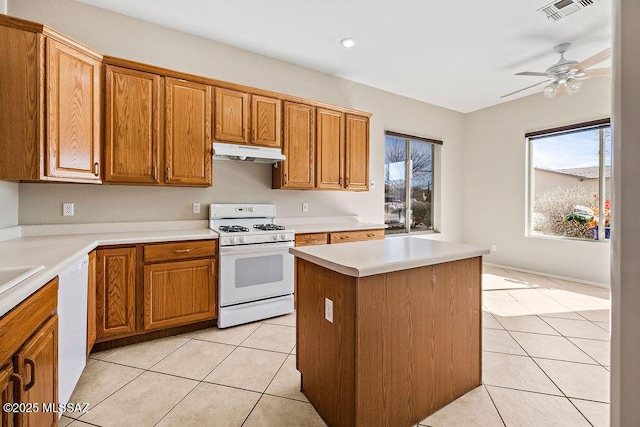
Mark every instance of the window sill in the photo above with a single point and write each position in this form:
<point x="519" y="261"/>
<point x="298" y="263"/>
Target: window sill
<point x="413" y="233"/>
<point x="572" y="239"/>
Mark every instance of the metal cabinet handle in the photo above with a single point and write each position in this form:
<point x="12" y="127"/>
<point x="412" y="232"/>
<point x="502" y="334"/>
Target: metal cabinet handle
<point x="168" y="177"/>
<point x="253" y="133"/>
<point x="18" y="379"/>
<point x="182" y="251"/>
<point x="347" y="181"/>
<point x="96" y="169"/>
<point x="154" y="172"/>
<point x="32" y="382"/>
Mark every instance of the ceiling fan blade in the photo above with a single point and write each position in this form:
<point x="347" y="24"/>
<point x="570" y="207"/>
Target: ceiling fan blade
<point x="595" y="59"/>
<point x="596" y="72"/>
<point x="528" y="87"/>
<point x="531" y="73"/>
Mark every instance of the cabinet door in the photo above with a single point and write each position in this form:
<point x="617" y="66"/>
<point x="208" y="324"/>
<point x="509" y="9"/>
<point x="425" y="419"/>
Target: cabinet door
<point x="7" y="419"/>
<point x="298" y="146"/>
<point x="265" y="121"/>
<point x="73" y="111"/>
<point x="37" y="364"/>
<point x="176" y="293"/>
<point x="132" y="126"/>
<point x="330" y="157"/>
<point x="231" y="116"/>
<point x="91" y="303"/>
<point x="115" y="291"/>
<point x="357" y="153"/>
<point x="187" y="133"/>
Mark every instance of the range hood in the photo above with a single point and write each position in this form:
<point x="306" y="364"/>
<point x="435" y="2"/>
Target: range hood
<point x="246" y="153"/>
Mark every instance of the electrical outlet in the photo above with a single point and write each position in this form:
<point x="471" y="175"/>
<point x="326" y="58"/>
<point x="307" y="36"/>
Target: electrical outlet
<point x="494" y="248"/>
<point x="67" y="209"/>
<point x="372" y="184"/>
<point x="328" y="309"/>
<point x="196" y="208"/>
<point x="305" y="207"/>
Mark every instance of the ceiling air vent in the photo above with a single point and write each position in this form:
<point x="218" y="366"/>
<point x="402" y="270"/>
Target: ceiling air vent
<point x="559" y="9"/>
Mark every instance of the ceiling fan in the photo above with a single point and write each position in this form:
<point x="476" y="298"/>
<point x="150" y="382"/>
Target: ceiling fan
<point x="566" y="75"/>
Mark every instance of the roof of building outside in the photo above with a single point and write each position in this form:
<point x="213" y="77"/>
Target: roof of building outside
<point x="590" y="172"/>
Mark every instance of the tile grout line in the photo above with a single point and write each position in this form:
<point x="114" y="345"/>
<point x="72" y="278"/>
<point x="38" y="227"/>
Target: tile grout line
<point x="494" y="403"/>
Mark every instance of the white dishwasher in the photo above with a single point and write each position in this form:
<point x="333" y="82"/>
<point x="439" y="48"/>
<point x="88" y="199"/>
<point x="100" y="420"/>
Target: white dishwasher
<point x="72" y="326"/>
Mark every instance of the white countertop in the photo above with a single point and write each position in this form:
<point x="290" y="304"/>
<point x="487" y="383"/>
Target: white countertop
<point x="57" y="252"/>
<point x="371" y="257"/>
<point x="327" y="224"/>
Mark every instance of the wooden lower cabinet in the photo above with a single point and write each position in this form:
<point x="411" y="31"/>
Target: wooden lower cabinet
<point x="29" y="358"/>
<point x="115" y="292"/>
<point x="181" y="292"/>
<point x="91" y="302"/>
<point x="355" y="236"/>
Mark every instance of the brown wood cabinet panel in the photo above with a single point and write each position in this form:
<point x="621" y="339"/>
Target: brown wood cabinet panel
<point x="91" y="303"/>
<point x="176" y="251"/>
<point x="298" y="146"/>
<point x="73" y="111"/>
<point x="357" y="153"/>
<point x="231" y="121"/>
<point x="355" y="236"/>
<point x="187" y="133"/>
<point x="115" y="291"/>
<point x="176" y="293"/>
<point x="132" y="126"/>
<point x="310" y="239"/>
<point x="37" y="364"/>
<point x="19" y="324"/>
<point x="7" y="419"/>
<point x="265" y="121"/>
<point x="330" y="149"/>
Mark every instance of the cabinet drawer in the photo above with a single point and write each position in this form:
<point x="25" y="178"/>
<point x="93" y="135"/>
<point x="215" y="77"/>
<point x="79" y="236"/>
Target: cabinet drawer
<point x="180" y="250"/>
<point x="356" y="236"/>
<point x="310" y="239"/>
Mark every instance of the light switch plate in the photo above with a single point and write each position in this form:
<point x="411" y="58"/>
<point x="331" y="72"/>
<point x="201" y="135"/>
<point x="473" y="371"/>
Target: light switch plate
<point x="196" y="208"/>
<point x="328" y="309"/>
<point x="305" y="207"/>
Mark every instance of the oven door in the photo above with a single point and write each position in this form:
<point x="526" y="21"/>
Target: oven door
<point x="254" y="272"/>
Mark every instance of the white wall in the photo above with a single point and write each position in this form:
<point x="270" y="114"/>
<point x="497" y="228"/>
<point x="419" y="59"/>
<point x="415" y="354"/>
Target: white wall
<point x="8" y="204"/>
<point x="494" y="183"/>
<point x="3" y="6"/>
<point x="121" y="36"/>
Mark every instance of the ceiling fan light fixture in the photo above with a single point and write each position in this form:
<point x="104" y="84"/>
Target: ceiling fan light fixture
<point x="551" y="90"/>
<point x="573" y="85"/>
<point x="348" y="42"/>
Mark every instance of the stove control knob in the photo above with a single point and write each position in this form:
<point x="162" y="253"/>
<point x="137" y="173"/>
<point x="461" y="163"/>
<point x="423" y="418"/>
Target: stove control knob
<point x="243" y="239"/>
<point x="234" y="240"/>
<point x="275" y="237"/>
<point x="282" y="237"/>
<point x="227" y="240"/>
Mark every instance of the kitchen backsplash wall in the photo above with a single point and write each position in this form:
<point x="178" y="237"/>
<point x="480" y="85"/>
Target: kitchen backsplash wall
<point x="117" y="35"/>
<point x="8" y="204"/>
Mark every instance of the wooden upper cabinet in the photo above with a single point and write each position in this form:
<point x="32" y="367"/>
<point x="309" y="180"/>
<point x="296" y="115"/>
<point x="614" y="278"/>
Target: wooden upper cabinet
<point x="132" y="126"/>
<point x="73" y="108"/>
<point x="115" y="291"/>
<point x="231" y="116"/>
<point x="330" y="149"/>
<point x="357" y="153"/>
<point x="298" y="146"/>
<point x="265" y="121"/>
<point x="187" y="133"/>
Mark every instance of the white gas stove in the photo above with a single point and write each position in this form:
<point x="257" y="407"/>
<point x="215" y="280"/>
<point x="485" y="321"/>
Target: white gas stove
<point x="255" y="278"/>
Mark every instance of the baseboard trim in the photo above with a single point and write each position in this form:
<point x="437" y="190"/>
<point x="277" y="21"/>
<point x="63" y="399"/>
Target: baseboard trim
<point x="553" y="276"/>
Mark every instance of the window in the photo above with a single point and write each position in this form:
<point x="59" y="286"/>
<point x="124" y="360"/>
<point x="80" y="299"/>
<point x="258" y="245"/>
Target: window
<point x="408" y="182"/>
<point x="570" y="181"/>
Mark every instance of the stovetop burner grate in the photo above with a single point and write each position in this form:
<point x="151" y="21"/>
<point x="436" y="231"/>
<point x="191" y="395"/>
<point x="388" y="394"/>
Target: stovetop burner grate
<point x="233" y="229"/>
<point x="268" y="227"/>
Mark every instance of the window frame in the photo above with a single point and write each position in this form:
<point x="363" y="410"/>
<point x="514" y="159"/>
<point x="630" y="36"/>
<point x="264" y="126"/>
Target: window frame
<point x="530" y="137"/>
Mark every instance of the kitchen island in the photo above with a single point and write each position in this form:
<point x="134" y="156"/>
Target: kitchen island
<point x="388" y="331"/>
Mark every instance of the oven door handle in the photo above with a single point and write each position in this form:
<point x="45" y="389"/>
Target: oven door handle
<point x="260" y="247"/>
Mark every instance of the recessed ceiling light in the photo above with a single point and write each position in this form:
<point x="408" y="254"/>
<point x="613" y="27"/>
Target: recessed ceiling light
<point x="348" y="42"/>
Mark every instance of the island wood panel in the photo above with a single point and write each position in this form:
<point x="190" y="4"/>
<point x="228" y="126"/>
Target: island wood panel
<point x="298" y="146"/>
<point x="266" y="116"/>
<point x="310" y="239"/>
<point x="22" y="100"/>
<point x="180" y="250"/>
<point x="132" y="126"/>
<point x="176" y="293"/>
<point x="395" y="347"/>
<point x="330" y="149"/>
<point x="115" y="292"/>
<point x="187" y="133"/>
<point x="91" y="303"/>
<point x="73" y="111"/>
<point x="37" y="364"/>
<point x="357" y="153"/>
<point x="231" y="118"/>
<point x="355" y="236"/>
<point x="326" y="355"/>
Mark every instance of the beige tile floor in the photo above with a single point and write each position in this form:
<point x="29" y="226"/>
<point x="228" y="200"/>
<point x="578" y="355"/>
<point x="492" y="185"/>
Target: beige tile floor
<point x="545" y="363"/>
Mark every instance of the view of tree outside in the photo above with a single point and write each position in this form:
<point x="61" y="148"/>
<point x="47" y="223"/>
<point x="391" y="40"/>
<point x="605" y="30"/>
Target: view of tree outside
<point x="566" y="184"/>
<point x="414" y="184"/>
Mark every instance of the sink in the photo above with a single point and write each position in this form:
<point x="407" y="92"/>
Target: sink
<point x="11" y="276"/>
